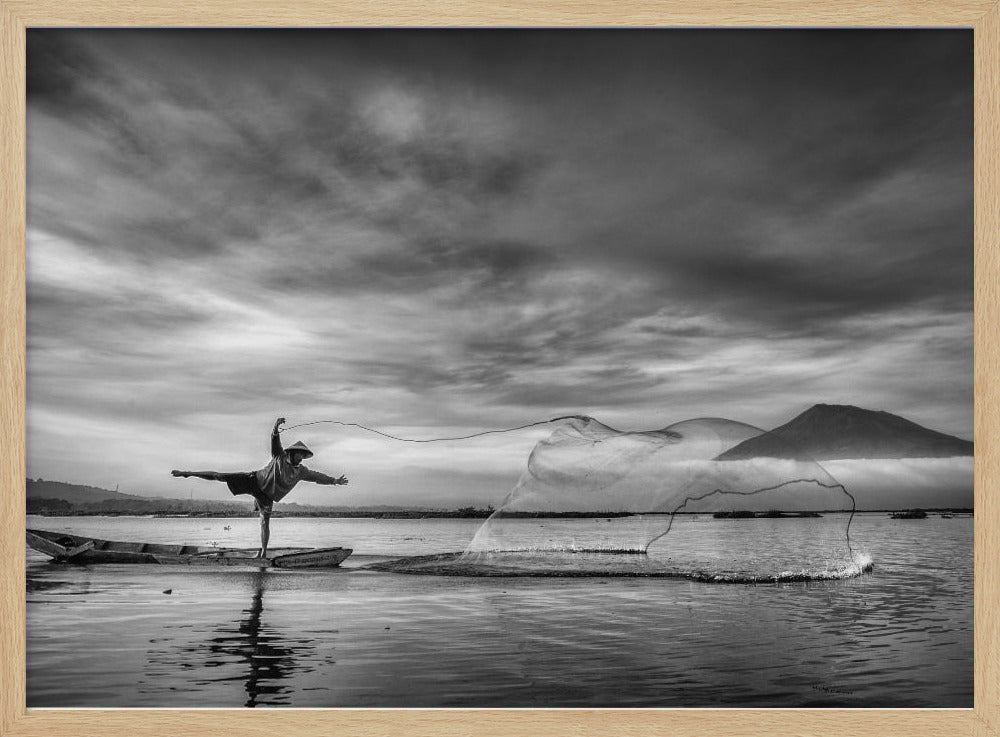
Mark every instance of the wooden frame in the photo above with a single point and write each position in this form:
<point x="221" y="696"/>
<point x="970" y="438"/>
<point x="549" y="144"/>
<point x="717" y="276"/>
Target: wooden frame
<point x="981" y="15"/>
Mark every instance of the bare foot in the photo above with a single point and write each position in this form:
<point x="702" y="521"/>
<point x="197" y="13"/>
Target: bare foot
<point x="179" y="473"/>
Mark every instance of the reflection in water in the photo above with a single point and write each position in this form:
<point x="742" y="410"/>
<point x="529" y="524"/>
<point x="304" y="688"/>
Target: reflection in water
<point x="248" y="650"/>
<point x="268" y="661"/>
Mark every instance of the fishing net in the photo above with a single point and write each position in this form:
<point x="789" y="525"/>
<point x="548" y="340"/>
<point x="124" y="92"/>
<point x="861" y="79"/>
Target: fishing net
<point x="711" y="499"/>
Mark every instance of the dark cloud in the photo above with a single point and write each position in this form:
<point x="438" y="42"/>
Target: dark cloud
<point x="66" y="314"/>
<point x="56" y="69"/>
<point x="491" y="265"/>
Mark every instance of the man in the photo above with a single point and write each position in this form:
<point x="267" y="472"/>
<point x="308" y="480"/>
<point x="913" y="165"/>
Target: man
<point x="273" y="482"/>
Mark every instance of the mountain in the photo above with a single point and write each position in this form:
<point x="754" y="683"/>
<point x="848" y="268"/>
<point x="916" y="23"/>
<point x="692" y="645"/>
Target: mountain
<point x="40" y="489"/>
<point x="836" y="431"/>
<point x="57" y="497"/>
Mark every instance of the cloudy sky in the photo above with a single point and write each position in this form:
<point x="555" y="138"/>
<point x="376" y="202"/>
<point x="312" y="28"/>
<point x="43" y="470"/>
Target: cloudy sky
<point x="439" y="232"/>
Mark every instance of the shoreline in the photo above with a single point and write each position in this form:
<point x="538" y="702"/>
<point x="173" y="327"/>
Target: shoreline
<point x="478" y="514"/>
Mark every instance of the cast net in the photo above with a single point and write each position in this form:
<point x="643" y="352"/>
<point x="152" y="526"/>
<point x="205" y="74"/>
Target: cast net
<point x="710" y="499"/>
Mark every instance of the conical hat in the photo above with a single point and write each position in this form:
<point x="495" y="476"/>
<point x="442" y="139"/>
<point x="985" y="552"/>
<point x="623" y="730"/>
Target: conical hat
<point x="300" y="446"/>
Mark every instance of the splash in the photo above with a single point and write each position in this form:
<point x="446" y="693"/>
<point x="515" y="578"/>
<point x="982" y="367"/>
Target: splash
<point x="631" y="565"/>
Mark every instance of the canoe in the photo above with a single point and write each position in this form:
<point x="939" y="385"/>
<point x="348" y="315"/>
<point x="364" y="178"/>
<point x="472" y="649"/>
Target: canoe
<point x="65" y="548"/>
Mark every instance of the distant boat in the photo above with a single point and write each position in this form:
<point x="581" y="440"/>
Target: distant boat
<point x="909" y="514"/>
<point x="66" y="548"/>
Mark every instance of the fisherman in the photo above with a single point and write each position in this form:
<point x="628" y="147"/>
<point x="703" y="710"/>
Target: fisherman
<point x="273" y="482"/>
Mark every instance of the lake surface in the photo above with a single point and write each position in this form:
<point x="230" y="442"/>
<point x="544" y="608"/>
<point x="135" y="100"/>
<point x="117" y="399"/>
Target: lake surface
<point x="110" y="636"/>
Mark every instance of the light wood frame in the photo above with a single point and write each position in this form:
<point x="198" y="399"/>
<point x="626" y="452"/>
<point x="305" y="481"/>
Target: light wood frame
<point x="16" y="15"/>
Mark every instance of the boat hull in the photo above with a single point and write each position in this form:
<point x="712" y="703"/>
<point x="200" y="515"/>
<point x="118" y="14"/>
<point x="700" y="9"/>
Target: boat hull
<point x="66" y="548"/>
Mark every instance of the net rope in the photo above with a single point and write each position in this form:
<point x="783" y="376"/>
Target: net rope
<point x="433" y="440"/>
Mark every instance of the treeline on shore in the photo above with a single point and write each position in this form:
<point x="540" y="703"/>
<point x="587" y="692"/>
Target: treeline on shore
<point x="194" y="508"/>
<point x="896" y="514"/>
<point x="769" y="514"/>
<point x="181" y="508"/>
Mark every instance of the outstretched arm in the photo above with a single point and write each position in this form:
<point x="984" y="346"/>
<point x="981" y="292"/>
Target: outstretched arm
<point x="276" y="449"/>
<point x="321" y="478"/>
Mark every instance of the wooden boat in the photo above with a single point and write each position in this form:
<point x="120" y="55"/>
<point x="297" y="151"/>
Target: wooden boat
<point x="65" y="548"/>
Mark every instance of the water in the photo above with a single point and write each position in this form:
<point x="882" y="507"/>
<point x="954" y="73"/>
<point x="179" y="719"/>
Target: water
<point x="108" y="636"/>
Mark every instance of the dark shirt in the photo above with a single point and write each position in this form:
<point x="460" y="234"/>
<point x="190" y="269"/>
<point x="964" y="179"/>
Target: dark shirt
<point x="279" y="476"/>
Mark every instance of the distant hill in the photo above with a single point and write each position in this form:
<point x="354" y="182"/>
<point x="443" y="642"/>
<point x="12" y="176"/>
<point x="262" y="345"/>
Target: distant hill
<point x="40" y="489"/>
<point x="835" y="431"/>
<point x="60" y="498"/>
